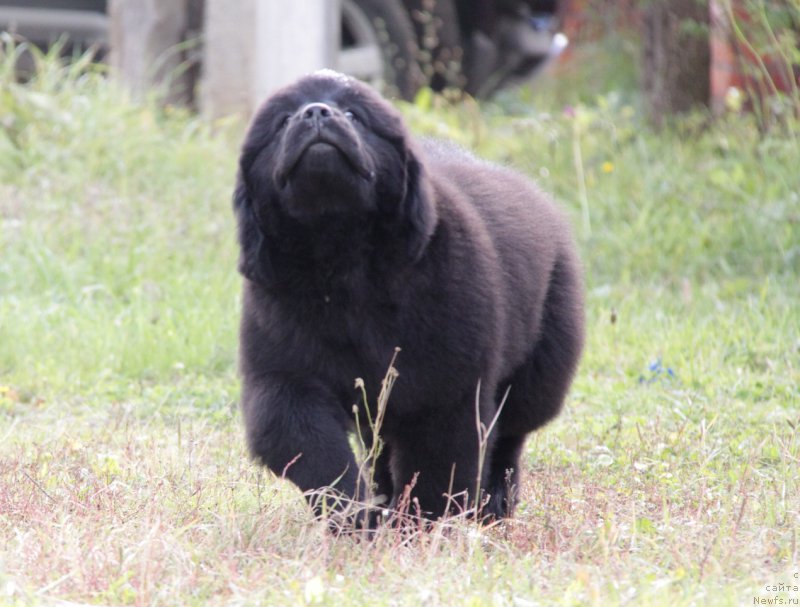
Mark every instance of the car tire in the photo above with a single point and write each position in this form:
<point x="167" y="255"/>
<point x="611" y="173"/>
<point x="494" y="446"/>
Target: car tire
<point x="378" y="44"/>
<point x="439" y="38"/>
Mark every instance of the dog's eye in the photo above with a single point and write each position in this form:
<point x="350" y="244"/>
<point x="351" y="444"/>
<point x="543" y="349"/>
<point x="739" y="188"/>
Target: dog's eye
<point x="283" y="121"/>
<point x="350" y="115"/>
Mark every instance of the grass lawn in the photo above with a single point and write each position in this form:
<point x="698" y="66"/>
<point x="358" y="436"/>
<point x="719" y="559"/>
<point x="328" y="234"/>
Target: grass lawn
<point x="671" y="478"/>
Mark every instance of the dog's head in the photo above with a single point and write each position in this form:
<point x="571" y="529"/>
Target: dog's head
<point x="323" y="148"/>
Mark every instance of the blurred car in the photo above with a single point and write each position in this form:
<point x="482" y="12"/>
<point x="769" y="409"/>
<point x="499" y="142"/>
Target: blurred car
<point x="45" y="21"/>
<point x="477" y="45"/>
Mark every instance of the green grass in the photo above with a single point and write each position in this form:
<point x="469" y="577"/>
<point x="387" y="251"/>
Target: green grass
<point x="672" y="477"/>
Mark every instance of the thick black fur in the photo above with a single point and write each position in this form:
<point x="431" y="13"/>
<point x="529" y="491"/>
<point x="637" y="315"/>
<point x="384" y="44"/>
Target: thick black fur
<point x="355" y="241"/>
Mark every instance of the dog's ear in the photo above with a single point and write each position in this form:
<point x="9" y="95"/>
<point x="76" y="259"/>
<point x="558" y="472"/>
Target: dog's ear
<point x="254" y="263"/>
<point x="419" y="206"/>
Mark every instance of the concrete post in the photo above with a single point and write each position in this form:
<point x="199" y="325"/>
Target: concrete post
<point x="253" y="47"/>
<point x="143" y="38"/>
<point x="228" y="57"/>
<point x="292" y="39"/>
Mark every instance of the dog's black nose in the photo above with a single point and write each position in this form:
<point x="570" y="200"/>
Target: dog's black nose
<point x="316" y="112"/>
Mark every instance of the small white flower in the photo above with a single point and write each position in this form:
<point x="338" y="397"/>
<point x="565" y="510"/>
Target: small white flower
<point x="314" y="590"/>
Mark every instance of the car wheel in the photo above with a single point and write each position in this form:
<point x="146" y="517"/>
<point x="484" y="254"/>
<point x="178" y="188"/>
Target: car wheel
<point x="378" y="45"/>
<point x="439" y="38"/>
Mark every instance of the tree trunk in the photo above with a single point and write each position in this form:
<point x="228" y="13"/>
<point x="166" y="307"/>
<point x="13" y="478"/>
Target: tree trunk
<point x="676" y="57"/>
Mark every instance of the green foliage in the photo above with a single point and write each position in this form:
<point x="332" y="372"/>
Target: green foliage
<point x="115" y="224"/>
<point x="671" y="477"/>
<point x="767" y="34"/>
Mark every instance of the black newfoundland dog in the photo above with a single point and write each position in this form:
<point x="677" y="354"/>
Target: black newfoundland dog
<point x="356" y="241"/>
